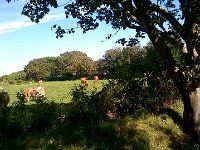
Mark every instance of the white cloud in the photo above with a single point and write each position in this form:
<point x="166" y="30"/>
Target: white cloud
<point x="13" y="25"/>
<point x="21" y="23"/>
<point x="53" y="17"/>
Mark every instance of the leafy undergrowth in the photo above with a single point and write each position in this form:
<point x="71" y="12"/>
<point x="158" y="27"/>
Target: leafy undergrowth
<point x="144" y="131"/>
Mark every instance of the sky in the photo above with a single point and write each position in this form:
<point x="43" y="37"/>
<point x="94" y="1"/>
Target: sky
<point x="23" y="40"/>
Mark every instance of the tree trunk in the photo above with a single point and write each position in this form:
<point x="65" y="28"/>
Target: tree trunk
<point x="195" y="105"/>
<point x="191" y="113"/>
<point x="188" y="110"/>
<point x="190" y="97"/>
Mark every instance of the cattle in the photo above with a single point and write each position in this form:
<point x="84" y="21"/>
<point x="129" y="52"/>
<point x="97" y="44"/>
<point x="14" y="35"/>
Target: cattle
<point x="40" y="82"/>
<point x="34" y="92"/>
<point x="84" y="82"/>
<point x="4" y="100"/>
<point x="95" y="79"/>
<point x="110" y="115"/>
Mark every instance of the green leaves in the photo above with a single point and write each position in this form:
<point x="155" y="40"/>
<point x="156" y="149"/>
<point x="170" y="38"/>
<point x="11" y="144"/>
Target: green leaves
<point x="38" y="69"/>
<point x="35" y="11"/>
<point x="191" y="77"/>
<point x="131" y="42"/>
<point x="69" y="65"/>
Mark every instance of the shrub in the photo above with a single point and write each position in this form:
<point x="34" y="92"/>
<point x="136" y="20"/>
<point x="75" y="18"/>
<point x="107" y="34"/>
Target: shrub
<point x="150" y="92"/>
<point x="81" y="109"/>
<point x="94" y="106"/>
<point x="120" y="98"/>
<point x="20" y="118"/>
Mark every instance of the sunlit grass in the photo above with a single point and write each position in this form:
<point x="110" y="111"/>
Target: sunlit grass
<point x="57" y="91"/>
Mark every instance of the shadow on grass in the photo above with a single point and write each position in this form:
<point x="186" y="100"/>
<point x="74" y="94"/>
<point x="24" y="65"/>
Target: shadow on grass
<point x="184" y="144"/>
<point x="110" y="136"/>
<point x="174" y="115"/>
<point x="44" y="126"/>
<point x="39" y="126"/>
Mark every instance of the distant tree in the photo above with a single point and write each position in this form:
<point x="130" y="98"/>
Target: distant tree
<point x="130" y="62"/>
<point x="52" y="63"/>
<point x="116" y="62"/>
<point x="111" y="61"/>
<point x="147" y="61"/>
<point x="130" y="56"/>
<point x="165" y="22"/>
<point x="101" y="68"/>
<point x="75" y="64"/>
<point x="14" y="78"/>
<point x="38" y="69"/>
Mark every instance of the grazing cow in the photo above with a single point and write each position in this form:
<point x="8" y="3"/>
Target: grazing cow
<point x="34" y="92"/>
<point x="95" y="79"/>
<point x="40" y="82"/>
<point x="111" y="115"/>
<point x="4" y="100"/>
<point x="84" y="82"/>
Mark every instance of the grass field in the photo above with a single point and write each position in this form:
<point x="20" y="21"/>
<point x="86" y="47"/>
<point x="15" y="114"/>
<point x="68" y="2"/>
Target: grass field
<point x="57" y="91"/>
<point x="143" y="131"/>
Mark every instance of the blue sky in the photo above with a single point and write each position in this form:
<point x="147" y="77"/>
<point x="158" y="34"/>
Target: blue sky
<point x="23" y="40"/>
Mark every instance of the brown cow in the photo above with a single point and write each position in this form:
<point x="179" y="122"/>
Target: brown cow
<point x="95" y="79"/>
<point x="34" y="92"/>
<point x="84" y="82"/>
<point x="4" y="100"/>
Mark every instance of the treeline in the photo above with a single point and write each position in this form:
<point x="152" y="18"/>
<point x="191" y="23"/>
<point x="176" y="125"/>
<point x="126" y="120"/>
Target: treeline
<point x="116" y="63"/>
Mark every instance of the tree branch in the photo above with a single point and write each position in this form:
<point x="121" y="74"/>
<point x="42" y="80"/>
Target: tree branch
<point x="166" y="14"/>
<point x="130" y="10"/>
<point x="182" y="3"/>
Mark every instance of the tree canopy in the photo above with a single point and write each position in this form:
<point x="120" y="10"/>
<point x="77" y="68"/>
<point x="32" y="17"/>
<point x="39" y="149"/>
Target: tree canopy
<point x="69" y="65"/>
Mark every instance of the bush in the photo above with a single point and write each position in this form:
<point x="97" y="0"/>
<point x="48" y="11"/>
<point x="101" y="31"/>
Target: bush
<point x="20" y="118"/>
<point x="93" y="106"/>
<point x="82" y="107"/>
<point x="121" y="98"/>
<point x="150" y="92"/>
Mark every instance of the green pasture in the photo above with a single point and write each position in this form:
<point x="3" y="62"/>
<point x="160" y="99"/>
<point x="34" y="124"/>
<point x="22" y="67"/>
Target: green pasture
<point x="57" y="91"/>
<point x="143" y="131"/>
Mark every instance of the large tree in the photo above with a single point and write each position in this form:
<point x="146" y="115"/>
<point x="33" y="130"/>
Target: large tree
<point x="165" y="22"/>
<point x="75" y="64"/>
<point x="39" y="69"/>
<point x="123" y="63"/>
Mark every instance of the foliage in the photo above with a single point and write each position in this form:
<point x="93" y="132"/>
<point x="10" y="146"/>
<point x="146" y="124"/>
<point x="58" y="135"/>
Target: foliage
<point x="38" y="69"/>
<point x="21" y="97"/>
<point x="130" y="62"/>
<point x="150" y="92"/>
<point x="93" y="106"/>
<point x="21" y="118"/>
<point x="67" y="66"/>
<point x="121" y="98"/>
<point x="14" y="78"/>
<point x="75" y="64"/>
<point x="84" y="106"/>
